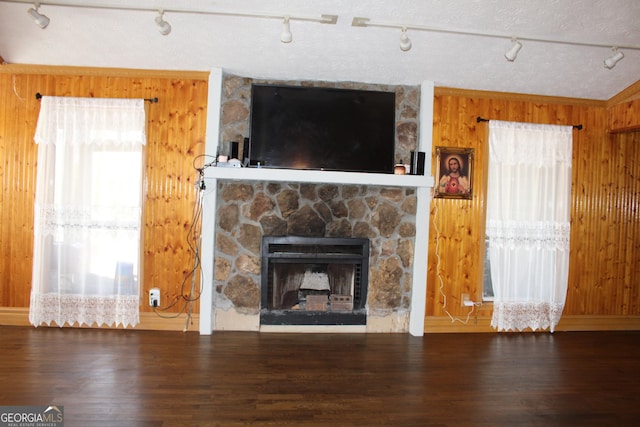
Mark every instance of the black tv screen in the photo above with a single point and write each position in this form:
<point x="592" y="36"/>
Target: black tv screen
<point x="322" y="129"/>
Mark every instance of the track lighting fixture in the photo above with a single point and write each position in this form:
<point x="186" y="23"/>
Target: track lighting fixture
<point x="40" y="19"/>
<point x="286" y="36"/>
<point x="405" y="41"/>
<point x="512" y="53"/>
<point x="164" y="27"/>
<point x="615" y="57"/>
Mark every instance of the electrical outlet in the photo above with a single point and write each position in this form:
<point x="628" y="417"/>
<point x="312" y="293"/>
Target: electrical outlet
<point x="154" y="297"/>
<point x="465" y="297"/>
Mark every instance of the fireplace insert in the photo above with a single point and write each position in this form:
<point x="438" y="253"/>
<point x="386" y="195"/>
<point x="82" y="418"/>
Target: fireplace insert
<point x="314" y="280"/>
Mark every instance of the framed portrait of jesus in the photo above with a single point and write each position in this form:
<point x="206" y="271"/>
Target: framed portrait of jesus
<point x="454" y="167"/>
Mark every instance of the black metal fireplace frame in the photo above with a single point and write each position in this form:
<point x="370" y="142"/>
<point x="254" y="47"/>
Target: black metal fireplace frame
<point x="357" y="316"/>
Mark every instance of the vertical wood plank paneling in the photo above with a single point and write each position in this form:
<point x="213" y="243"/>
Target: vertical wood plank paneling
<point x="604" y="276"/>
<point x="4" y="194"/>
<point x="171" y="188"/>
<point x="18" y="179"/>
<point x="456" y="229"/>
<point x="176" y="134"/>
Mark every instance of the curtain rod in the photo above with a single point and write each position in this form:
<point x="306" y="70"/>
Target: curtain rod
<point x="480" y="119"/>
<point x="150" y="100"/>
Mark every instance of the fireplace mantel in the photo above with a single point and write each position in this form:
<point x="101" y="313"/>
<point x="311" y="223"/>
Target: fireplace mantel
<point x="318" y="176"/>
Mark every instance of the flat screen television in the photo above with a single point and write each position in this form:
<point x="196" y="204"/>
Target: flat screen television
<point x="322" y="129"/>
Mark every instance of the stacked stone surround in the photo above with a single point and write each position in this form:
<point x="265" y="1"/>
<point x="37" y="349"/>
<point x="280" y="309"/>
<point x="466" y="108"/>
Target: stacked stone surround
<point x="248" y="210"/>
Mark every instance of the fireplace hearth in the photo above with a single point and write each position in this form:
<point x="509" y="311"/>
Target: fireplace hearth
<point x="314" y="280"/>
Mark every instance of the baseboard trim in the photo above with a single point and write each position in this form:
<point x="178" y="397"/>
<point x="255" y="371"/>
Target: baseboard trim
<point x="439" y="324"/>
<point x="11" y="316"/>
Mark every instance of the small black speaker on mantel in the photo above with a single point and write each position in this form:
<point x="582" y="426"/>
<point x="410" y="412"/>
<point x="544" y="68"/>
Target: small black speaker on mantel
<point x="234" y="150"/>
<point x="417" y="162"/>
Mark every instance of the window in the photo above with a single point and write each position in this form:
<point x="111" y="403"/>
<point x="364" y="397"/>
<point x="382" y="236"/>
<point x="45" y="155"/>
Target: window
<point x="528" y="208"/>
<point x="88" y="212"/>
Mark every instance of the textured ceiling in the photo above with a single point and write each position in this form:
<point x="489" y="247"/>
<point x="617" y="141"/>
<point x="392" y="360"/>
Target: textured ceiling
<point x="342" y="52"/>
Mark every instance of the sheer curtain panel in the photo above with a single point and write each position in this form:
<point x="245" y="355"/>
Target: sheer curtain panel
<point x="529" y="197"/>
<point x="88" y="212"/>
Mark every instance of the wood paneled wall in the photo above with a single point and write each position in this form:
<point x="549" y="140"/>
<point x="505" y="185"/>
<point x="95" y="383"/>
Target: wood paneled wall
<point x="175" y="136"/>
<point x="604" y="271"/>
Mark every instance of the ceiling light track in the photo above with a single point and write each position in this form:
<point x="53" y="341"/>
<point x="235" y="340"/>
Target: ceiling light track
<point x="323" y="19"/>
<point x="512" y="53"/>
<point x="366" y="22"/>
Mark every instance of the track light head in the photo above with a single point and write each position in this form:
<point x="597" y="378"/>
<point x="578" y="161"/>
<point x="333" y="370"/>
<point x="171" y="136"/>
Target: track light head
<point x="164" y="27"/>
<point x="512" y="53"/>
<point x="285" y="35"/>
<point x="615" y="57"/>
<point x="405" y="41"/>
<point x="40" y="19"/>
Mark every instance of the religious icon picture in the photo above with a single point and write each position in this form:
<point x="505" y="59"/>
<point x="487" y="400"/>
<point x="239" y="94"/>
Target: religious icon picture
<point x="454" y="168"/>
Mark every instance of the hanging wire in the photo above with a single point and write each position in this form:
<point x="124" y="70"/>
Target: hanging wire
<point x="188" y="297"/>
<point x="441" y="287"/>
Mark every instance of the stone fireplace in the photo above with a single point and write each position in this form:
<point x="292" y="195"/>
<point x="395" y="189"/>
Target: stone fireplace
<point x="314" y="280"/>
<point x="241" y="205"/>
<point x="335" y="216"/>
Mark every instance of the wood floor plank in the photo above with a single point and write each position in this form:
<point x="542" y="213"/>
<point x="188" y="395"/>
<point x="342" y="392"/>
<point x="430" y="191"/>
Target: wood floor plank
<point x="119" y="378"/>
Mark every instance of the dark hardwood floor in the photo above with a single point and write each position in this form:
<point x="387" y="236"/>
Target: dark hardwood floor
<point x="120" y="378"/>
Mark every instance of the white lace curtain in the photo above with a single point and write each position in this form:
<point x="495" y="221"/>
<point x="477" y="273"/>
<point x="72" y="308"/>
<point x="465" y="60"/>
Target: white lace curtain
<point x="87" y="212"/>
<point x="529" y="197"/>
